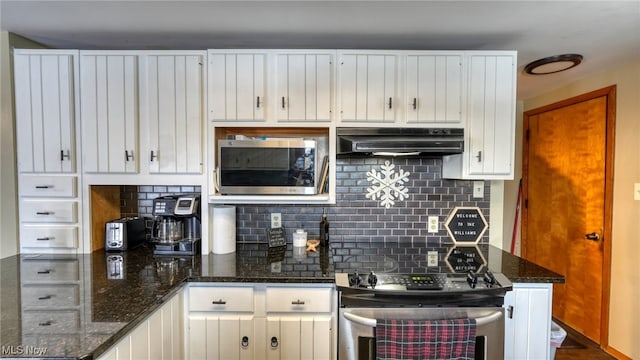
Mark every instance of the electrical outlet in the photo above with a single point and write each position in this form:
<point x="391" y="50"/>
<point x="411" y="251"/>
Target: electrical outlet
<point x="432" y="258"/>
<point x="478" y="189"/>
<point x="636" y="191"/>
<point x="276" y="220"/>
<point x="433" y="224"/>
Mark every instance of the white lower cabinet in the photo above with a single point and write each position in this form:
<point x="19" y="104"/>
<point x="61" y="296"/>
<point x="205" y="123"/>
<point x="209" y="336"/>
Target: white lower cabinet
<point x="281" y="321"/>
<point x="159" y="337"/>
<point x="528" y="321"/>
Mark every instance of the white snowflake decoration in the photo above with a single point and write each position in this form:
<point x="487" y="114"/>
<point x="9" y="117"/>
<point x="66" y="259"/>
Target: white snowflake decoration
<point x="387" y="185"/>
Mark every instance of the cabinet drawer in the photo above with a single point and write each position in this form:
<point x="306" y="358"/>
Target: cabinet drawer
<point x="48" y="237"/>
<point x="298" y="300"/>
<point x="48" y="211"/>
<point x="48" y="186"/>
<point x="38" y="296"/>
<point x="59" y="321"/>
<point x="37" y="270"/>
<point x="232" y="299"/>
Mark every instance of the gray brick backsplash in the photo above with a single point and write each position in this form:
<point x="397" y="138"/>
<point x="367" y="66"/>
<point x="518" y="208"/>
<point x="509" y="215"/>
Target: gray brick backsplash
<point x="354" y="217"/>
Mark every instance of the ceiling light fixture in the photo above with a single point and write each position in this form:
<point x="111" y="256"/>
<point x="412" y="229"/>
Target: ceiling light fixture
<point x="553" y="64"/>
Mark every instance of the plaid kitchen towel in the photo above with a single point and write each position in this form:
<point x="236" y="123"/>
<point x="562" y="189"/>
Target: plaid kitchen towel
<point x="425" y="339"/>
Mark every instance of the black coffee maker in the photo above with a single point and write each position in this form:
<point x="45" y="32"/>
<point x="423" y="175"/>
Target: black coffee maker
<point x="176" y="225"/>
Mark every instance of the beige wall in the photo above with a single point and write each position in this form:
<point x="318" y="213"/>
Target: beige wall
<point x="8" y="206"/>
<point x="624" y="327"/>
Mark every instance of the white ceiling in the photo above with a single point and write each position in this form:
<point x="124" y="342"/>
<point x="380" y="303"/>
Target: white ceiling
<point x="606" y="33"/>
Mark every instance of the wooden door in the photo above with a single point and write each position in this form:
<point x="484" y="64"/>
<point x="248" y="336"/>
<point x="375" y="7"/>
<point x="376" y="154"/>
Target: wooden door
<point x="567" y="189"/>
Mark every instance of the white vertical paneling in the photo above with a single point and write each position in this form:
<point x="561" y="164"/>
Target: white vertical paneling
<point x="348" y="87"/>
<point x="295" y="96"/>
<point x="140" y="342"/>
<point x="323" y="80"/>
<point x="366" y="84"/>
<point x="323" y="335"/>
<point x="192" y="156"/>
<point x="109" y="112"/>
<point x="236" y="81"/>
<point x="45" y="121"/>
<point x="290" y="337"/>
<point x="453" y="85"/>
<point x="173" y="109"/>
<point x="273" y="330"/>
<point x="229" y="338"/>
<point x="309" y="103"/>
<point x="503" y="147"/>
<point x="24" y="119"/>
<point x="491" y="90"/>
<point x="306" y="348"/>
<point x="283" y="64"/>
<point x="475" y="107"/>
<point x="198" y="344"/>
<point x="158" y="336"/>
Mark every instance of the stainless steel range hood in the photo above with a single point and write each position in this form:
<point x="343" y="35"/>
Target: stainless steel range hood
<point x="399" y="141"/>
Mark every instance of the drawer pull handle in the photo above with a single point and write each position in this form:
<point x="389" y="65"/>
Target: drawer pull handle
<point x="48" y="271"/>
<point x="46" y="323"/>
<point x="44" y="213"/>
<point x="218" y="302"/>
<point x="44" y="238"/>
<point x="47" y="297"/>
<point x="245" y="342"/>
<point x="297" y="302"/>
<point x="274" y="342"/>
<point x="44" y="186"/>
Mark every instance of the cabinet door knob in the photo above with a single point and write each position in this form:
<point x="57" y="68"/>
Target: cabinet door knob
<point x="274" y="342"/>
<point x="245" y="342"/>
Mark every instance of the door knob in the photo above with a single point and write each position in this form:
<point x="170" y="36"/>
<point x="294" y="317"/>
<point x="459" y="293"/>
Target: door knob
<point x="594" y="236"/>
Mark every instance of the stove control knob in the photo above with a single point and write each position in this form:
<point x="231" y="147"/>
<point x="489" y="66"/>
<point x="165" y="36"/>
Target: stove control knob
<point x="472" y="279"/>
<point x="489" y="279"/>
<point x="355" y="280"/>
<point x="372" y="279"/>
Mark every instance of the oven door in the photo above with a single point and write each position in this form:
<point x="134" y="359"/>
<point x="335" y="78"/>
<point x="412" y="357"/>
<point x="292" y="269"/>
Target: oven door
<point x="357" y="328"/>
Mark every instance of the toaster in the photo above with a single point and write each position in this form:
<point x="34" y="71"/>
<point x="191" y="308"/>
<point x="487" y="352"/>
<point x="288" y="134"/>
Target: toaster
<point x="125" y="233"/>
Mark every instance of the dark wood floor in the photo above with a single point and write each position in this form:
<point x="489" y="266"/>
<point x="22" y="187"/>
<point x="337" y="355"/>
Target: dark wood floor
<point x="578" y="347"/>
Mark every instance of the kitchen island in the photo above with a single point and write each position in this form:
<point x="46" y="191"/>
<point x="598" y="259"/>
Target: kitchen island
<point x="78" y="306"/>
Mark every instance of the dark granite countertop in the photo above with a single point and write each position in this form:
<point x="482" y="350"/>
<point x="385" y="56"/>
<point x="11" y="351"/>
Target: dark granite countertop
<point x="116" y="291"/>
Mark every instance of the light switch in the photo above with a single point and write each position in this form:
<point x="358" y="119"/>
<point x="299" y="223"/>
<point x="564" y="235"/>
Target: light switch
<point x="478" y="189"/>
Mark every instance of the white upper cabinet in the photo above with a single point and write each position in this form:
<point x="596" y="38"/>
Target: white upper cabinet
<point x="368" y="87"/>
<point x="237" y="86"/>
<point x="304" y="87"/>
<point x="433" y="89"/>
<point x="45" y="110"/>
<point x="109" y="112"/>
<point x="490" y="124"/>
<point x="171" y="104"/>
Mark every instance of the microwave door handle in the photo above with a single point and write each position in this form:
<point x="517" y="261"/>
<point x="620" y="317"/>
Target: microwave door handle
<point x="360" y="320"/>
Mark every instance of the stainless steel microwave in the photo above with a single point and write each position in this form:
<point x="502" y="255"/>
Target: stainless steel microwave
<point x="272" y="166"/>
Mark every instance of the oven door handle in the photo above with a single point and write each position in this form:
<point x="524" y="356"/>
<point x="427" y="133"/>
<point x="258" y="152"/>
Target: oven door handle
<point x="481" y="321"/>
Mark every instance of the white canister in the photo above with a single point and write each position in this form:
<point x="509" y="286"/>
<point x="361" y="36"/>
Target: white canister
<point x="300" y="238"/>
